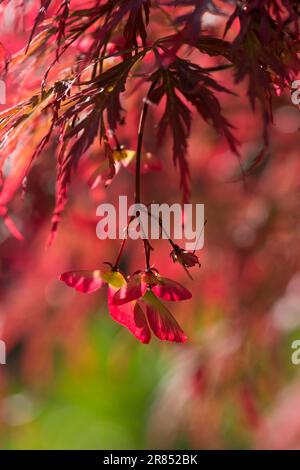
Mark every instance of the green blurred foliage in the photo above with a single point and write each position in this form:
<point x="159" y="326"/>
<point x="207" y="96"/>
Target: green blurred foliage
<point x="101" y="403"/>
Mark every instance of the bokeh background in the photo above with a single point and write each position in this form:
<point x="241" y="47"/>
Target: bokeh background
<point x="74" y="379"/>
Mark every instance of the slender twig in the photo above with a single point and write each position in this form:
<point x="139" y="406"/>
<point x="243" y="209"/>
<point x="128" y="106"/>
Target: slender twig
<point x="162" y="228"/>
<point x="142" y="122"/>
<point x="218" y="68"/>
<point x="139" y="152"/>
<point x="141" y="130"/>
<point x="117" y="262"/>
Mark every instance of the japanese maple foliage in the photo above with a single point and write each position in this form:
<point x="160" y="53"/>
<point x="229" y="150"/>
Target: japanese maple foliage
<point x="91" y="60"/>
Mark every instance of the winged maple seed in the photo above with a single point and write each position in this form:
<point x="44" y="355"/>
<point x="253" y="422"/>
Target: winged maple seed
<point x="135" y="303"/>
<point x="92" y="60"/>
<point x="184" y="257"/>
